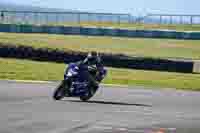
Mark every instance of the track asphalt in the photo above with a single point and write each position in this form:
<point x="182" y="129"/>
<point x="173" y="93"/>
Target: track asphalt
<point x="29" y="108"/>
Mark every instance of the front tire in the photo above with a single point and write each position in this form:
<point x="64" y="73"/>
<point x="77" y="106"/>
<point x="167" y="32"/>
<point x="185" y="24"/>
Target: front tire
<point x="59" y="92"/>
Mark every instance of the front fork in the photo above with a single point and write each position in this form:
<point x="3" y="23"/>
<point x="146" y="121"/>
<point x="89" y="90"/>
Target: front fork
<point x="67" y="86"/>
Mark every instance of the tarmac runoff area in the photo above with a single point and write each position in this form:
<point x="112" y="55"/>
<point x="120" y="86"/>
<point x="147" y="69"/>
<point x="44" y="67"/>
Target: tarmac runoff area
<point x="29" y="108"/>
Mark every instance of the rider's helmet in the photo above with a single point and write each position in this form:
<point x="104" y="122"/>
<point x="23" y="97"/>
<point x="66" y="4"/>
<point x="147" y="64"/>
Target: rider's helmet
<point x="92" y="58"/>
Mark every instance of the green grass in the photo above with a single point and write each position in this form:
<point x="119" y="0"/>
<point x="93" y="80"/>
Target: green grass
<point x="32" y="70"/>
<point x="157" y="48"/>
<point x="141" y="26"/>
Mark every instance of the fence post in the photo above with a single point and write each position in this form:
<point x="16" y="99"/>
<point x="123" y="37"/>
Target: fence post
<point x="56" y="18"/>
<point x="119" y="19"/>
<point x="89" y="15"/>
<point x="191" y="20"/>
<point x="12" y="18"/>
<point x="129" y="18"/>
<point x="35" y="17"/>
<point x="181" y="19"/>
<point x="79" y="18"/>
<point x="47" y="18"/>
<point x="99" y="17"/>
<point x="160" y="19"/>
<point x="2" y="16"/>
<point x="24" y="18"/>
<point x="170" y="19"/>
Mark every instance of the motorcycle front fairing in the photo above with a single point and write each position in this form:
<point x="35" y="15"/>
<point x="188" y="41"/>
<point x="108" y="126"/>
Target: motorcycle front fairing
<point x="79" y="85"/>
<point x="71" y="71"/>
<point x="79" y="88"/>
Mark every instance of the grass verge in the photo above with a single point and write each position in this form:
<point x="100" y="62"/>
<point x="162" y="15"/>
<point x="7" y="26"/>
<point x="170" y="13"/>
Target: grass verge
<point x="33" y="70"/>
<point x="156" y="48"/>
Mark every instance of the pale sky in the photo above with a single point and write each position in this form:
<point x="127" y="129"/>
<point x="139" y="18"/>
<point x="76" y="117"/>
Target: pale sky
<point x="120" y="6"/>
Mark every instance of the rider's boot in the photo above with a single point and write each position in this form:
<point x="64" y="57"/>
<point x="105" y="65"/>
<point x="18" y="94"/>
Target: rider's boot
<point x="94" y="83"/>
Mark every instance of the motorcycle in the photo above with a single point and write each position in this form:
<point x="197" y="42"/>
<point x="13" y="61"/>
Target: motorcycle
<point x="76" y="84"/>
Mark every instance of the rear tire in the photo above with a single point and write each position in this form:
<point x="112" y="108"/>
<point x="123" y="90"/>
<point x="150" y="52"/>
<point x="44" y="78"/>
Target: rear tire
<point x="90" y="94"/>
<point x="59" y="92"/>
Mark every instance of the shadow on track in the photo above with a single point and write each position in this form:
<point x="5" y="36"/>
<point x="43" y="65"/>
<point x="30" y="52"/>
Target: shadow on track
<point x="110" y="103"/>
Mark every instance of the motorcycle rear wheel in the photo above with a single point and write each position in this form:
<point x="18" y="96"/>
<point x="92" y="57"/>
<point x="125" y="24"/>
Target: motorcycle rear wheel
<point x="89" y="95"/>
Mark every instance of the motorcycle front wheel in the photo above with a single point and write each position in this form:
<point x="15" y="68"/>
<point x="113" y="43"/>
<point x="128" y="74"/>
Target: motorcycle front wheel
<point x="59" y="92"/>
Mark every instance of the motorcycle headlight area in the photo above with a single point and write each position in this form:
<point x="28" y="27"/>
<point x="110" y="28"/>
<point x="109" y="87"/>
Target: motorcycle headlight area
<point x="71" y="73"/>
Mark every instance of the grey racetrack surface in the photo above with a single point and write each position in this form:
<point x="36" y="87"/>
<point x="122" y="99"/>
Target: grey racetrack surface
<point x="29" y="108"/>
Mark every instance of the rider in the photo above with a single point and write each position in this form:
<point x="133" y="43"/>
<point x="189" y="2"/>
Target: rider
<point x="94" y="64"/>
<point x="93" y="60"/>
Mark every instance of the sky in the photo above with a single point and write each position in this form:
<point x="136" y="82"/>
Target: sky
<point x="135" y="7"/>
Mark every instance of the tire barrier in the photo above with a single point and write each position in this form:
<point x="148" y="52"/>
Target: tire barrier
<point x="94" y="31"/>
<point x="110" y="60"/>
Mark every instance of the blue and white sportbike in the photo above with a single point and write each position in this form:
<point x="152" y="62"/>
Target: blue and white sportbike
<point x="76" y="83"/>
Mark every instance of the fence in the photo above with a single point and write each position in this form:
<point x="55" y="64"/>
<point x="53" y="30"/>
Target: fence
<point x="60" y="18"/>
<point x="29" y="17"/>
<point x="171" y="19"/>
